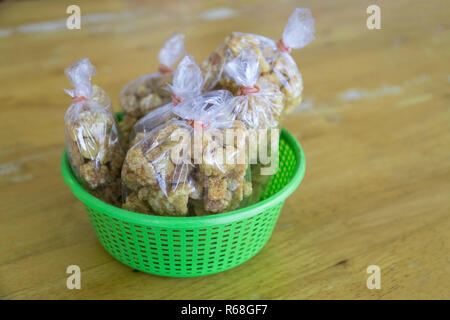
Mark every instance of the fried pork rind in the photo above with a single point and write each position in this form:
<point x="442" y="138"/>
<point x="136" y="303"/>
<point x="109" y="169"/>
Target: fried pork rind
<point x="153" y="178"/>
<point x="276" y="65"/>
<point x="222" y="169"/>
<point x="258" y="104"/>
<point x="148" y="92"/>
<point x="166" y="173"/>
<point x="91" y="135"/>
<point x="225" y="183"/>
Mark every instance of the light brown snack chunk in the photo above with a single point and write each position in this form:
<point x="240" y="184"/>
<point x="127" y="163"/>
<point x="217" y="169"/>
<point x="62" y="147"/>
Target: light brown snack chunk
<point x="89" y="129"/>
<point x="94" y="173"/>
<point x="133" y="203"/>
<point x="143" y="95"/>
<point x="100" y="97"/>
<point x="286" y="76"/>
<point x="224" y="181"/>
<point x="153" y="178"/>
<point x="175" y="203"/>
<point x="94" y="150"/>
<point x="161" y="182"/>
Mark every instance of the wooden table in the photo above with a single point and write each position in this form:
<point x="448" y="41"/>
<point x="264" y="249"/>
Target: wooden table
<point x="374" y="125"/>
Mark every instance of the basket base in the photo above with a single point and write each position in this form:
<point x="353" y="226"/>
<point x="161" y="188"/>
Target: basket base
<point x="212" y="254"/>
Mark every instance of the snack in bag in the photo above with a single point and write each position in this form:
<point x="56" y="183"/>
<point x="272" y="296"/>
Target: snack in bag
<point x="175" y="169"/>
<point x="91" y="136"/>
<point x="148" y="92"/>
<point x="187" y="84"/>
<point x="258" y="104"/>
<point x="276" y="64"/>
<point x="226" y="186"/>
<point x="153" y="181"/>
<point x="222" y="163"/>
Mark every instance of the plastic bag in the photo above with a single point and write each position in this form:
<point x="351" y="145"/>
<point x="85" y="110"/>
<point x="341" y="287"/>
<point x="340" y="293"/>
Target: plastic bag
<point x="258" y="102"/>
<point x="220" y="155"/>
<point x="258" y="105"/>
<point x="91" y="135"/>
<point x="176" y="170"/>
<point x="276" y="64"/>
<point x="148" y="92"/>
<point x="153" y="181"/>
<point x="187" y="84"/>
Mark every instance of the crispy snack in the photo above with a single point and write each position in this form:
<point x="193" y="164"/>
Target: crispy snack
<point x="258" y="104"/>
<point x="223" y="172"/>
<point x="190" y="164"/>
<point x="148" y="92"/>
<point x="153" y="179"/>
<point x="143" y="95"/>
<point x="91" y="135"/>
<point x="279" y="69"/>
<point x="285" y="75"/>
<point x="276" y="65"/>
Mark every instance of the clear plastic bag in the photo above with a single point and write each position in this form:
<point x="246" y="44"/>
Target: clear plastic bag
<point x="276" y="64"/>
<point x="148" y="92"/>
<point x="220" y="153"/>
<point x="226" y="185"/>
<point x="187" y="84"/>
<point x="186" y="166"/>
<point x="153" y="181"/>
<point x="258" y="102"/>
<point x="91" y="136"/>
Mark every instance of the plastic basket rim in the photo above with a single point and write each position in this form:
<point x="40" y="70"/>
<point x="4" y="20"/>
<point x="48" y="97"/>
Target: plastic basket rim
<point x="186" y="222"/>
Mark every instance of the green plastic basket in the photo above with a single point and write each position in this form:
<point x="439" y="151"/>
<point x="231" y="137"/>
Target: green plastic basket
<point x="193" y="246"/>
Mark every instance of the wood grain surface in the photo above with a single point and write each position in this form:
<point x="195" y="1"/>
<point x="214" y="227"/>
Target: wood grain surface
<point x="374" y="125"/>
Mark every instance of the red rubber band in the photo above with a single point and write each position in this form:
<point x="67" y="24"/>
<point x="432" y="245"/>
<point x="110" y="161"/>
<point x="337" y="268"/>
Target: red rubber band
<point x="204" y="127"/>
<point x="164" y="69"/>
<point x="243" y="91"/>
<point x="282" y="47"/>
<point x="175" y="100"/>
<point x="79" y="99"/>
